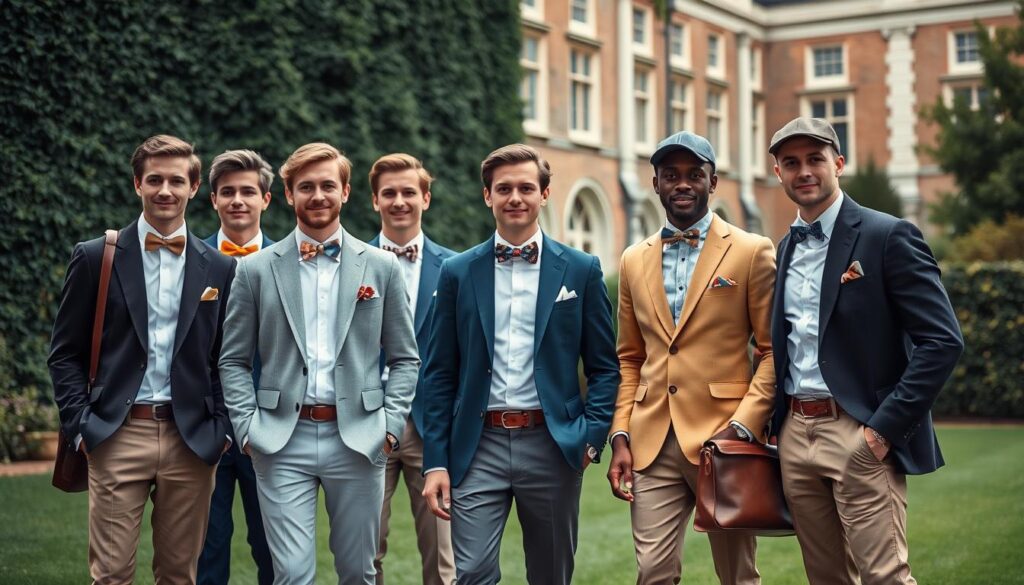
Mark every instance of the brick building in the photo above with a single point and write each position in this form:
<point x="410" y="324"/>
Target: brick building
<point x="604" y="81"/>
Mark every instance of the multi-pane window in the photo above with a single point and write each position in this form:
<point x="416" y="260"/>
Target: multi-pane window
<point x="714" y="50"/>
<point x="828" y="61"/>
<point x="581" y="77"/>
<point x="675" y="40"/>
<point x="758" y="134"/>
<point x="642" y="104"/>
<point x="974" y="94"/>
<point x="580" y="11"/>
<point x="967" y="47"/>
<point x="639" y="27"/>
<point x="679" y="105"/>
<point x="580" y="232"/>
<point x="529" y="89"/>
<point x="836" y="110"/>
<point x="715" y="113"/>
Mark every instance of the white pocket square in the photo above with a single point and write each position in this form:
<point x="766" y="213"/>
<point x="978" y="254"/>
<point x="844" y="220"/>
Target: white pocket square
<point x="565" y="295"/>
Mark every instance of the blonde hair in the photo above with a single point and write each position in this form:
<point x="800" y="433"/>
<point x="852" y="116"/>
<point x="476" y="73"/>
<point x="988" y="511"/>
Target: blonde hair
<point x="399" y="161"/>
<point x="166" y="145"/>
<point x="511" y="155"/>
<point x="232" y="161"/>
<point x="311" y="154"/>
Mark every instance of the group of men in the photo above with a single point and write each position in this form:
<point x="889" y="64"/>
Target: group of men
<point x="324" y="362"/>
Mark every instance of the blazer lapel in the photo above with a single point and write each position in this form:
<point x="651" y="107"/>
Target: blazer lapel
<point x="430" y="268"/>
<point x="128" y="268"/>
<point x="840" y="248"/>
<point x="655" y="280"/>
<point x="196" y="265"/>
<point x="350" y="278"/>
<point x="482" y="270"/>
<point x="552" y="274"/>
<point x="715" y="246"/>
<point x="286" y="275"/>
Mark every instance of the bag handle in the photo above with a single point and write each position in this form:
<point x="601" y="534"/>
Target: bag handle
<point x="109" y="245"/>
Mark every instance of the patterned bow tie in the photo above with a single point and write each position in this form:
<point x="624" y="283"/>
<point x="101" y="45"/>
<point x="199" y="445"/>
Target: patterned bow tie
<point x="330" y="249"/>
<point x="505" y="253"/>
<point x="690" y="236"/>
<point x="800" y="233"/>
<point x="155" y="242"/>
<point x="410" y="253"/>
<point x="229" y="248"/>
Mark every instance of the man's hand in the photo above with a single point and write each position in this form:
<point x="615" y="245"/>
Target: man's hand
<point x="227" y="445"/>
<point x="81" y="449"/>
<point x="388" y="442"/>
<point x="620" y="470"/>
<point x="728" y="433"/>
<point x="437" y="489"/>
<point x="247" y="449"/>
<point x="876" y="442"/>
<point x="586" y="462"/>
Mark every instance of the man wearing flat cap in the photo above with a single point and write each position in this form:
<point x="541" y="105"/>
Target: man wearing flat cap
<point x="864" y="339"/>
<point x="690" y="298"/>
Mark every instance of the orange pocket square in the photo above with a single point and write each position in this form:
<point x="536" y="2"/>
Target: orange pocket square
<point x="210" y="294"/>
<point x="854" y="272"/>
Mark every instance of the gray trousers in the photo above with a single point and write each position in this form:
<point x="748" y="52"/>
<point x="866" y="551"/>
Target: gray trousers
<point x="289" y="482"/>
<point x="526" y="465"/>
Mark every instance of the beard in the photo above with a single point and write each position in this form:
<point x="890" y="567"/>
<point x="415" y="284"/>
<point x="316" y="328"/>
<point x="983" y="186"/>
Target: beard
<point x="318" y="218"/>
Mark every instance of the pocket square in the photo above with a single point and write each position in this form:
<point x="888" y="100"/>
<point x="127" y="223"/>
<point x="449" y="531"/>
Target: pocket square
<point x="854" y="272"/>
<point x="210" y="294"/>
<point x="366" y="293"/>
<point x="722" y="282"/>
<point x="565" y="295"/>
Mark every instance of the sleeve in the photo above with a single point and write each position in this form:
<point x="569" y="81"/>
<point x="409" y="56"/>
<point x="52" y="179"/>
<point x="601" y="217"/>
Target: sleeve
<point x="441" y="373"/>
<point x="599" y="359"/>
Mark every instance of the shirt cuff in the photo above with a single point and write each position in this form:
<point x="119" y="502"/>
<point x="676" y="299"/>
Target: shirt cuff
<point x="433" y="469"/>
<point x="616" y="434"/>
<point x="78" y="441"/>
<point x="743" y="430"/>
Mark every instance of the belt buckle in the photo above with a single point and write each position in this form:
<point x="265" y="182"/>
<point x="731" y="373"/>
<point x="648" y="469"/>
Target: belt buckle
<point x="156" y="414"/>
<point x="312" y="414"/>
<point x="505" y="426"/>
<point x="833" y="408"/>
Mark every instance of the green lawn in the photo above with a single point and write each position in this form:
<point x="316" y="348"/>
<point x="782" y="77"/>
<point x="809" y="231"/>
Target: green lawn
<point x="966" y="527"/>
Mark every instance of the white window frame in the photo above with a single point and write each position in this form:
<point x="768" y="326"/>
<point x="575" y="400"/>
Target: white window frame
<point x="949" y="88"/>
<point x="756" y="71"/>
<point x="812" y="80"/>
<point x="685" y="60"/>
<point x="970" y="67"/>
<point x="601" y="219"/>
<point x="535" y="12"/>
<point x="850" y="148"/>
<point x="718" y="70"/>
<point x="685" y="105"/>
<point x="722" y="115"/>
<point x="591" y="136"/>
<point x="646" y="47"/>
<point x="537" y="126"/>
<point x="588" y="28"/>
<point x="758" y="153"/>
<point x="649" y="96"/>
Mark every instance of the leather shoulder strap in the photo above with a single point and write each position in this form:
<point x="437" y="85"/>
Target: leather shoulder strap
<point x="109" y="245"/>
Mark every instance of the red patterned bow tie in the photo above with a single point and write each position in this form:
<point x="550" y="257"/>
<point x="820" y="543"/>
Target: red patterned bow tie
<point x="690" y="236"/>
<point x="410" y="253"/>
<point x="505" y="253"/>
<point x="331" y="249"/>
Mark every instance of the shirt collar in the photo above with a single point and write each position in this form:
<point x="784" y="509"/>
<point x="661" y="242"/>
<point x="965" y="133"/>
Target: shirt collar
<point x="417" y="241"/>
<point x="145" y="228"/>
<point x="257" y="241"/>
<point x="827" y="218"/>
<point x="702" y="225"/>
<point x="537" y="237"/>
<point x="302" y="237"/>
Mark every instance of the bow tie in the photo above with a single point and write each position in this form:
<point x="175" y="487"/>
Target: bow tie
<point x="155" y="242"/>
<point x="505" y="253"/>
<point x="799" y="233"/>
<point x="410" y="253"/>
<point x="229" y="248"/>
<point x="330" y="249"/>
<point x="690" y="236"/>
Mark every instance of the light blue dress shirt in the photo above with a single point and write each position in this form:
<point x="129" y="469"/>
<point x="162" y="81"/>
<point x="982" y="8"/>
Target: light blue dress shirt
<point x="677" y="263"/>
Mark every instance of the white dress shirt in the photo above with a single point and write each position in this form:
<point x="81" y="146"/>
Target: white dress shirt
<point x="802" y="305"/>
<point x="257" y="241"/>
<point x="410" y="273"/>
<point x="320" y="285"/>
<point x="515" y="310"/>
<point x="164" y="272"/>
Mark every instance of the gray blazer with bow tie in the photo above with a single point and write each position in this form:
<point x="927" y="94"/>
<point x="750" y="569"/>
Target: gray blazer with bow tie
<point x="264" y="315"/>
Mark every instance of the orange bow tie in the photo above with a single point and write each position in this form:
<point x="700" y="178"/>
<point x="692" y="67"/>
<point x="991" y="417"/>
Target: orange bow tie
<point x="229" y="248"/>
<point x="155" y="242"/>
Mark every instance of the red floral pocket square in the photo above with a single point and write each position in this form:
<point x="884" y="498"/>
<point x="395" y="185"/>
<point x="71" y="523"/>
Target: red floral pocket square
<point x="854" y="272"/>
<point x="722" y="282"/>
<point x="366" y="293"/>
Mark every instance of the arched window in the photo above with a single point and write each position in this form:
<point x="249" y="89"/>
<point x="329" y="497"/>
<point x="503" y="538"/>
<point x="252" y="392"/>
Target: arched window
<point x="648" y="219"/>
<point x="587" y="221"/>
<point x="579" y="231"/>
<point x="721" y="209"/>
<point x="548" y="221"/>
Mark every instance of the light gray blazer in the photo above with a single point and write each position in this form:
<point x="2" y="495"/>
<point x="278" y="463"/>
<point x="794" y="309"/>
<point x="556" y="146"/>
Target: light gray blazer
<point x="264" y="315"/>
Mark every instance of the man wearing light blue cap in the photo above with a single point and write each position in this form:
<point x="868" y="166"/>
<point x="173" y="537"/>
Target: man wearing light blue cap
<point x="690" y="298"/>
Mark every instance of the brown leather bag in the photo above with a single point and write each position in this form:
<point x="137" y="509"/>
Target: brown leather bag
<point x="71" y="468"/>
<point x="739" y="488"/>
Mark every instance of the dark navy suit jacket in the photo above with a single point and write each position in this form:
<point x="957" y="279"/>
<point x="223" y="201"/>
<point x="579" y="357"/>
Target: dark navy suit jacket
<point x="457" y="379"/>
<point x="888" y="341"/>
<point x="432" y="254"/>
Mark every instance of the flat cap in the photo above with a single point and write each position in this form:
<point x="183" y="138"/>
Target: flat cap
<point x="698" y="145"/>
<point x="815" y="128"/>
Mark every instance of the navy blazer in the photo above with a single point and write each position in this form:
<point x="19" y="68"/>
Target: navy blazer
<point x="196" y="398"/>
<point x="888" y="341"/>
<point x="432" y="254"/>
<point x="457" y="379"/>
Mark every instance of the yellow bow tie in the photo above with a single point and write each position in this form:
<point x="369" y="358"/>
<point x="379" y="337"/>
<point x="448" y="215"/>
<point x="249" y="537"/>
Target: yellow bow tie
<point x="155" y="242"/>
<point x="229" y="248"/>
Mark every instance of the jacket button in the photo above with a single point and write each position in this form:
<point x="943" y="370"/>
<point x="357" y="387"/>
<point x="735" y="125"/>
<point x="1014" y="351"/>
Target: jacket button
<point x="482" y="414"/>
<point x="672" y="389"/>
<point x="305" y="371"/>
<point x="296" y="407"/>
<point x="128" y="402"/>
<point x="673" y="350"/>
<point x="142" y="366"/>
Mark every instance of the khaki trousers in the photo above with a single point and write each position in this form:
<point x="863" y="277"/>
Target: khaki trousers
<point x="849" y="509"/>
<point x="433" y="535"/>
<point x="664" y="495"/>
<point x="147" y="459"/>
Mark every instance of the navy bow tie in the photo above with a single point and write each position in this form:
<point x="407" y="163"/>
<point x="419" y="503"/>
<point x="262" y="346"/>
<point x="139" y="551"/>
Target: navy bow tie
<point x="505" y="253"/>
<point x="800" y="233"/>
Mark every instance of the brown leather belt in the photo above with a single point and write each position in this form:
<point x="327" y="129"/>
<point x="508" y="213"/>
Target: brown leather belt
<point x="157" y="412"/>
<point x="815" y="408"/>
<point x="318" y="412"/>
<point x="514" y="419"/>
